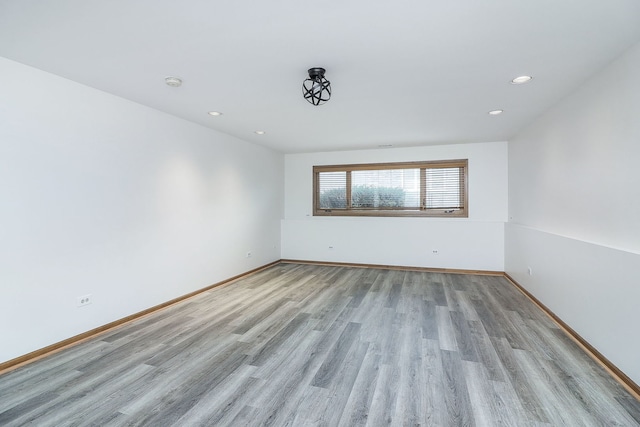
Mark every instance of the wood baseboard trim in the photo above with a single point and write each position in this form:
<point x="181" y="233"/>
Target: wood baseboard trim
<point x="77" y="339"/>
<point x="591" y="351"/>
<point x="395" y="267"/>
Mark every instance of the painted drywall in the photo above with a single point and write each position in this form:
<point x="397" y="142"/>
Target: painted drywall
<point x="475" y="243"/>
<point x="575" y="212"/>
<point x="591" y="287"/>
<point x="102" y="196"/>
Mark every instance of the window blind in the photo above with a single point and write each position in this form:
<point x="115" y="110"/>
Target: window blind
<point x="332" y="189"/>
<point x="444" y="188"/>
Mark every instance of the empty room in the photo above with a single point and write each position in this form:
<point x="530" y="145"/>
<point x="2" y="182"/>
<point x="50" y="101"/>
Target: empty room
<point x="297" y="213"/>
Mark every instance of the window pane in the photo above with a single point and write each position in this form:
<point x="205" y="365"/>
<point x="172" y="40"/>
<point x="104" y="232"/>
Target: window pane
<point x="444" y="189"/>
<point x="332" y="187"/>
<point x="390" y="188"/>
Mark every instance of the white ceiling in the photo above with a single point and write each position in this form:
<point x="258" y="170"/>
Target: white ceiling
<point x="408" y="72"/>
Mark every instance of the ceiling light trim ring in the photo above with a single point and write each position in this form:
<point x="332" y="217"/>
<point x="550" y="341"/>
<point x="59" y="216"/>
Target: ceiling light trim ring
<point x="520" y="80"/>
<point x="173" y="81"/>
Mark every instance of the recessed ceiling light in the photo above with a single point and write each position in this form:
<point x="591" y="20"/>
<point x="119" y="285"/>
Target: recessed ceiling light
<point x="496" y="112"/>
<point x="214" y="113"/>
<point x="521" y="80"/>
<point x="260" y="132"/>
<point x="173" y="81"/>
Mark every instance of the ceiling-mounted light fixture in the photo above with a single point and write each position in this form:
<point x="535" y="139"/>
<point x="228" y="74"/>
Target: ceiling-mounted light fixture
<point x="521" y="80"/>
<point x="316" y="89"/>
<point x="173" y="81"/>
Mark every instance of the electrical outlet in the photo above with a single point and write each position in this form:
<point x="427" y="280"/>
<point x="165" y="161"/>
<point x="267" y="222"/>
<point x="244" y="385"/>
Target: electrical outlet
<point x="435" y="252"/>
<point x="248" y="255"/>
<point x="529" y="271"/>
<point x="84" y="300"/>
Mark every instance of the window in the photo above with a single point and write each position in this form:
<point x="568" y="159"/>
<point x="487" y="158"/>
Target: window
<point x="392" y="189"/>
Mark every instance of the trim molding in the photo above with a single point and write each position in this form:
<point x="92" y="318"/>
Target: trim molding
<point x="56" y="347"/>
<point x="591" y="351"/>
<point x="395" y="267"/>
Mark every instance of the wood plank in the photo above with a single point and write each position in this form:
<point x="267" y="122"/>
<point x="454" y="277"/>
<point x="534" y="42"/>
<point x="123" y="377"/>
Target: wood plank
<point x="457" y="410"/>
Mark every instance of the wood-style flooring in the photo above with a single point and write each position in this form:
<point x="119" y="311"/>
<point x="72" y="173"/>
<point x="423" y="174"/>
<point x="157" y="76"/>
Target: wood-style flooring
<point x="306" y="345"/>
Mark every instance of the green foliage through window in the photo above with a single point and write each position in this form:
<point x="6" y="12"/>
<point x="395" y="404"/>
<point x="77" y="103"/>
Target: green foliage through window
<point x="364" y="196"/>
<point x="333" y="198"/>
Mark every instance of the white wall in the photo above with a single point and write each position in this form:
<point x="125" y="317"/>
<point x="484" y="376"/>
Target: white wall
<point x="102" y="196"/>
<point x="472" y="243"/>
<point x="574" y="208"/>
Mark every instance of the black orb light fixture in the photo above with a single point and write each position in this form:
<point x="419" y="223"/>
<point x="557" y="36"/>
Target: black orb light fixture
<point x="316" y="89"/>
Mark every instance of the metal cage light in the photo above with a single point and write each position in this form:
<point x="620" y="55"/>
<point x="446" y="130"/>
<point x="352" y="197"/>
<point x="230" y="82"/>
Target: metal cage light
<point x="316" y="89"/>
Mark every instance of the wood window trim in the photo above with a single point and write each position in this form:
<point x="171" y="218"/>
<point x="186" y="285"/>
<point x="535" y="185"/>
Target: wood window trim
<point x="463" y="212"/>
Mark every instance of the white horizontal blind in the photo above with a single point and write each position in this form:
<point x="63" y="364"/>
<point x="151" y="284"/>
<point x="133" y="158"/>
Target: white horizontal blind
<point x="332" y="190"/>
<point x="444" y="188"/>
<point x="385" y="189"/>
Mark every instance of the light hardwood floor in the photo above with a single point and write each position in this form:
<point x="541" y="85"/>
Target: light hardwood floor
<point x="303" y="345"/>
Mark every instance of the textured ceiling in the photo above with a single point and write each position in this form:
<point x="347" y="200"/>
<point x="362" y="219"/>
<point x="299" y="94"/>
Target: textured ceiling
<point x="409" y="72"/>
